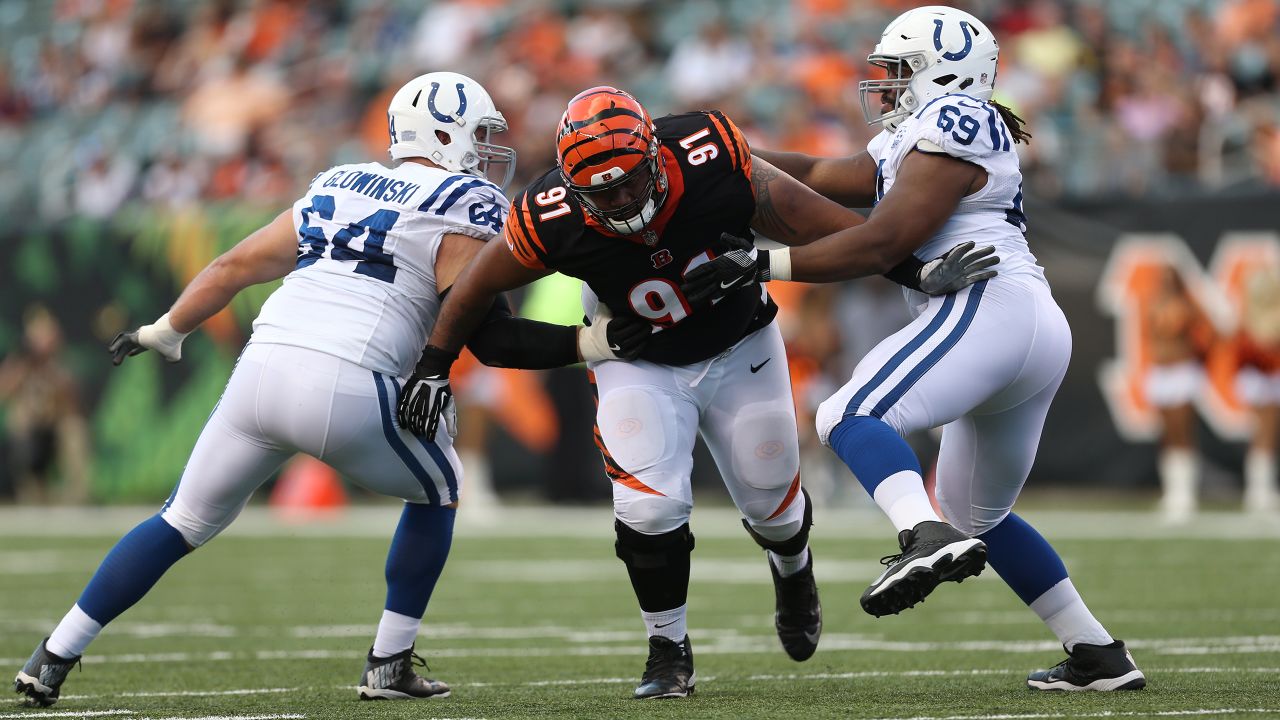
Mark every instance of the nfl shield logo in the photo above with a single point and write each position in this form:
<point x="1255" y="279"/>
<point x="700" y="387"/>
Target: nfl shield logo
<point x="650" y="237"/>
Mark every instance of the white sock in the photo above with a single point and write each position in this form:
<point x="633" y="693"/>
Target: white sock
<point x="1178" y="482"/>
<point x="789" y="565"/>
<point x="1260" y="494"/>
<point x="396" y="634"/>
<point x="1064" y="611"/>
<point x="73" y="634"/>
<point x="670" y="624"/>
<point x="903" y="498"/>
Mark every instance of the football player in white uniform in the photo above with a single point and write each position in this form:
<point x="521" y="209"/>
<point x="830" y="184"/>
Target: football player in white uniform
<point x="366" y="255"/>
<point x="984" y="363"/>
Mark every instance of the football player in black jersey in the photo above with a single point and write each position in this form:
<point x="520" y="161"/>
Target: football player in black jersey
<point x="631" y="207"/>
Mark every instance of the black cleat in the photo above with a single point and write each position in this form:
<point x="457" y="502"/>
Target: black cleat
<point x="41" y="678"/>
<point x="932" y="553"/>
<point x="668" y="673"/>
<point x="1091" y="667"/>
<point x="393" y="678"/>
<point x="798" y="617"/>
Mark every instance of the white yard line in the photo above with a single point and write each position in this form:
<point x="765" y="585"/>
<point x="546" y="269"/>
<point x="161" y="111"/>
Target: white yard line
<point x="729" y="642"/>
<point x="286" y="716"/>
<point x="67" y="714"/>
<point x="379" y="521"/>
<point x="768" y="677"/>
<point x="1101" y="714"/>
<point x="207" y="693"/>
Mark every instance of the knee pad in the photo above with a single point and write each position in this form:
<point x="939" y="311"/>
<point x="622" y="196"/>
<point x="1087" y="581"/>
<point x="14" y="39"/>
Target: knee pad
<point x="788" y="538"/>
<point x="652" y="551"/>
<point x="194" y="531"/>
<point x="651" y="514"/>
<point x="830" y="413"/>
<point x="766" y="450"/>
<point x="632" y="426"/>
<point x="966" y="518"/>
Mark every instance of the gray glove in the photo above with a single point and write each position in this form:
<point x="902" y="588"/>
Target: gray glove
<point x="958" y="269"/>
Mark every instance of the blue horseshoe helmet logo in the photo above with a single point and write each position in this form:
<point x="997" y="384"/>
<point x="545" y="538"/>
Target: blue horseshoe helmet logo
<point x="462" y="103"/>
<point x="937" y="41"/>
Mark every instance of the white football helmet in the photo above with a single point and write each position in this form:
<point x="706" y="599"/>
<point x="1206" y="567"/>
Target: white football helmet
<point x="449" y="119"/>
<point x="929" y="52"/>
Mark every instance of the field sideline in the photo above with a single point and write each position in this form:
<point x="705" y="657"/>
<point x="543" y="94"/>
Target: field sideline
<point x="534" y="618"/>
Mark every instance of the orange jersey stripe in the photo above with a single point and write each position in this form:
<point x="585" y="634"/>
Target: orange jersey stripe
<point x="786" y="501"/>
<point x="616" y="473"/>
<point x="518" y="239"/>
<point x="529" y="226"/>
<point x="732" y="137"/>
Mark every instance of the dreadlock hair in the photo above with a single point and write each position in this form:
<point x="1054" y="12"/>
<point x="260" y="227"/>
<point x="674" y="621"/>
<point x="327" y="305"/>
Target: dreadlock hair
<point x="1015" y="123"/>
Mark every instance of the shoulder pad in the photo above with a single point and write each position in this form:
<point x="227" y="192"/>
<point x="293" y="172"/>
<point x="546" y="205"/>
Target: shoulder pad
<point x="688" y="136"/>
<point x="541" y="213"/>
<point x="960" y="126"/>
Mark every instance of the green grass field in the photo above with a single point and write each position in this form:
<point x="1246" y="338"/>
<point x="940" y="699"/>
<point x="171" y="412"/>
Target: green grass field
<point x="534" y="618"/>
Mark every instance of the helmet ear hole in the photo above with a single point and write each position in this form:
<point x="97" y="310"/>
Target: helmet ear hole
<point x="945" y="80"/>
<point x="444" y="137"/>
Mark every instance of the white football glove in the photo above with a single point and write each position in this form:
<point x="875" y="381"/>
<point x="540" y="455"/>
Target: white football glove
<point x="610" y="338"/>
<point x="159" y="336"/>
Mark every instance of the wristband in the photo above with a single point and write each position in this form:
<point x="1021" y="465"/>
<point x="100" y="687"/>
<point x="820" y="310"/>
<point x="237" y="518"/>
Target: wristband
<point x="779" y="264"/>
<point x="435" y="362"/>
<point x="161" y="337"/>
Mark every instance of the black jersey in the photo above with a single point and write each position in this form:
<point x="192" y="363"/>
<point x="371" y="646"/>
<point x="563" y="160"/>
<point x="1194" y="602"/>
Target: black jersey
<point x="708" y="167"/>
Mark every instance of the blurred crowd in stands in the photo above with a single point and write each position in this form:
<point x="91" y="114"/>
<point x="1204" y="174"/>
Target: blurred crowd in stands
<point x="106" y="102"/>
<point x="112" y="104"/>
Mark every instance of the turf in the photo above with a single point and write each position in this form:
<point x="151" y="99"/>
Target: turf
<point x="541" y="623"/>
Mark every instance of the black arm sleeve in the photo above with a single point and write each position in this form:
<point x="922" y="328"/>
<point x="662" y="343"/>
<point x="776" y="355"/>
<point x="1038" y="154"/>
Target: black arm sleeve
<point x="907" y="272"/>
<point x="506" y="341"/>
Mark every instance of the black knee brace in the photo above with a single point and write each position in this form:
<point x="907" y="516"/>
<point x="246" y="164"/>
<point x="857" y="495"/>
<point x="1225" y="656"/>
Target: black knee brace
<point x="792" y="545"/>
<point x="652" y="551"/>
<point x="657" y="564"/>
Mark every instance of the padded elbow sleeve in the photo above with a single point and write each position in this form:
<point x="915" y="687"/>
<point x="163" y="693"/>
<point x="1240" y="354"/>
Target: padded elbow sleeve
<point x="506" y="341"/>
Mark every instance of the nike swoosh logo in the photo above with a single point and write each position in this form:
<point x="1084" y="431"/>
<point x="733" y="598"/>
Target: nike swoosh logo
<point x="812" y="637"/>
<point x="727" y="285"/>
<point x="673" y="622"/>
<point x="756" y="368"/>
<point x="615" y="348"/>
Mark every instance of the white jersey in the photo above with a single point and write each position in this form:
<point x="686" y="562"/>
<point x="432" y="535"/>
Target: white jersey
<point x="364" y="288"/>
<point x="971" y="130"/>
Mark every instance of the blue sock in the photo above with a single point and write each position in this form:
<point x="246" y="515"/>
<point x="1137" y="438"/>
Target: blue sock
<point x="872" y="450"/>
<point x="131" y="568"/>
<point x="1023" y="558"/>
<point x="417" y="555"/>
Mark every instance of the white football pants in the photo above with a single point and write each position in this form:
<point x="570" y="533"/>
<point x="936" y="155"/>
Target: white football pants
<point x="281" y="400"/>
<point x="740" y="401"/>
<point x="983" y="363"/>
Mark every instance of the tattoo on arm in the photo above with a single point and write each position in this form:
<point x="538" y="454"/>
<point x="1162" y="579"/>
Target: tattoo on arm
<point x="767" y="219"/>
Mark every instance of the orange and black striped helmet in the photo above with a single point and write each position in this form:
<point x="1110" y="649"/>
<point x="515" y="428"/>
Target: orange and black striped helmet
<point x="610" y="160"/>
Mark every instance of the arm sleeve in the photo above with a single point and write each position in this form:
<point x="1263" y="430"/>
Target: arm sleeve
<point x="503" y="340"/>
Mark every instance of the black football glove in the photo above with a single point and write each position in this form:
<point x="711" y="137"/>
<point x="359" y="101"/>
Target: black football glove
<point x="957" y="269"/>
<point x="159" y="336"/>
<point x="125" y="345"/>
<point x="427" y="397"/>
<point x="607" y="337"/>
<point x="742" y="264"/>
